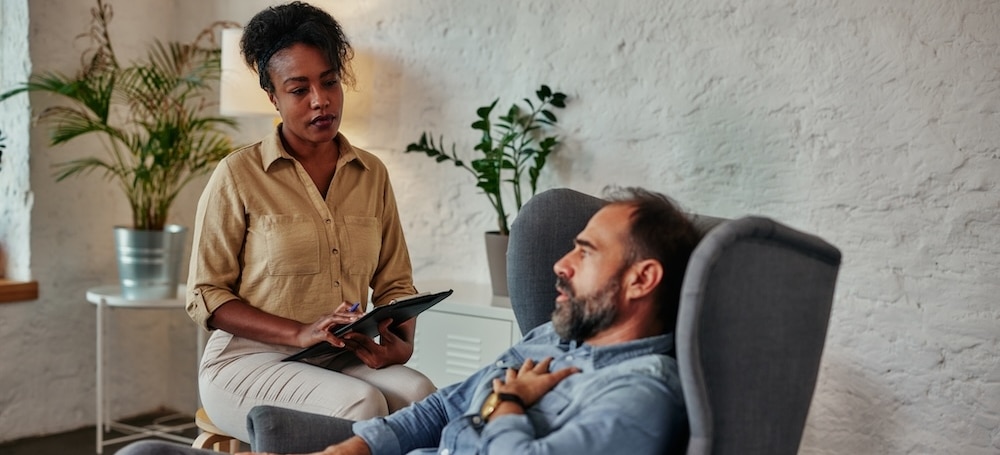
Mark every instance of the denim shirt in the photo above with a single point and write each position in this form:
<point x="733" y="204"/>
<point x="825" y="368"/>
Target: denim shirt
<point x="625" y="399"/>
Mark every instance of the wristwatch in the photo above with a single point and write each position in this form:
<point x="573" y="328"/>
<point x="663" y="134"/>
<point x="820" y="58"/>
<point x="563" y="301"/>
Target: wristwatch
<point x="493" y="402"/>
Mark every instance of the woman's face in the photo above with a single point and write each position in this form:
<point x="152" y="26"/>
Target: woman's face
<point x="307" y="94"/>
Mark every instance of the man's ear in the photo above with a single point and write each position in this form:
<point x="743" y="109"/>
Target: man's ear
<point x="642" y="278"/>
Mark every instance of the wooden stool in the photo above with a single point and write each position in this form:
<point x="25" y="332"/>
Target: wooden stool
<point x="212" y="437"/>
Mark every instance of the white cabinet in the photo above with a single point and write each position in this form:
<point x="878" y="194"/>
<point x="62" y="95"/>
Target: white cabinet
<point x="467" y="330"/>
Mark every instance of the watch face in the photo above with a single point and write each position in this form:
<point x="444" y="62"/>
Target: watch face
<point x="489" y="405"/>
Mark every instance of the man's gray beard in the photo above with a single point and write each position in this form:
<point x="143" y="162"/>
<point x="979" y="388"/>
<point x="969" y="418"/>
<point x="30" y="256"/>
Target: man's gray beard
<point x="582" y="317"/>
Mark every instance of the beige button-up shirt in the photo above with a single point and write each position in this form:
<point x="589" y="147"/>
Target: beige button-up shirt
<point x="264" y="234"/>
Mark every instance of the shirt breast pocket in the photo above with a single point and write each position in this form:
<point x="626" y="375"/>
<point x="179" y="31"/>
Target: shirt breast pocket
<point x="365" y="243"/>
<point x="548" y="411"/>
<point x="292" y="245"/>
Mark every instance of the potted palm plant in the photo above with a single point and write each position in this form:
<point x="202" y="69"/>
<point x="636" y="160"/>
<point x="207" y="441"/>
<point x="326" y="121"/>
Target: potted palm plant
<point x="153" y="117"/>
<point x="512" y="150"/>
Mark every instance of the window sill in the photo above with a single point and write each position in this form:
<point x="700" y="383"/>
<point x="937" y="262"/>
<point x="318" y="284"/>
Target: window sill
<point x="18" y="291"/>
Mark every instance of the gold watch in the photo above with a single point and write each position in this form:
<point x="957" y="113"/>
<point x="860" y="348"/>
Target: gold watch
<point x="493" y="402"/>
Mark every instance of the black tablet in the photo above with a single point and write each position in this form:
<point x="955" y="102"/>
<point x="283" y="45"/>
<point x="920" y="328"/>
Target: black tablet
<point x="399" y="310"/>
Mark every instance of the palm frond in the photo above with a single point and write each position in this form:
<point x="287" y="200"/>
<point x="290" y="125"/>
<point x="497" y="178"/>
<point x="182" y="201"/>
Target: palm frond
<point x="153" y="114"/>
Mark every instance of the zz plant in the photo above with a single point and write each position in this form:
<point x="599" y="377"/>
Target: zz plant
<point x="513" y="149"/>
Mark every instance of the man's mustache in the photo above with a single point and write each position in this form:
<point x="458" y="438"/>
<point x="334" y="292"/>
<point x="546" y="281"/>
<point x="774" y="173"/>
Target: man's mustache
<point x="563" y="286"/>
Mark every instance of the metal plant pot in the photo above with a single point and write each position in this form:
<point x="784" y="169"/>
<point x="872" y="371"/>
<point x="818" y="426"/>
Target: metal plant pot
<point x="149" y="261"/>
<point x="496" y="255"/>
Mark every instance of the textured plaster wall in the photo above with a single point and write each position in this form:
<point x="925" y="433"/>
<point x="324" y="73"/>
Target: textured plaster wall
<point x="871" y="124"/>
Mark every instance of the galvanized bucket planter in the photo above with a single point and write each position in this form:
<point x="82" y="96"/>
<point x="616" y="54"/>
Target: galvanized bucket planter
<point x="149" y="261"/>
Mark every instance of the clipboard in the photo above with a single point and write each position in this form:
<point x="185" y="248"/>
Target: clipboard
<point x="399" y="310"/>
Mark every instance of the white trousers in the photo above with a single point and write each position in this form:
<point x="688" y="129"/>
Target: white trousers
<point x="237" y="374"/>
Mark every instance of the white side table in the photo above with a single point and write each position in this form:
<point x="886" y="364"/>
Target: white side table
<point x="111" y="297"/>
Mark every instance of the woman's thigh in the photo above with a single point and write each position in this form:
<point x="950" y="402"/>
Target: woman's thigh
<point x="239" y="378"/>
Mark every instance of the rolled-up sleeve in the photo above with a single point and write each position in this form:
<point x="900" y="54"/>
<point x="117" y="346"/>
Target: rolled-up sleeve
<point x="219" y="229"/>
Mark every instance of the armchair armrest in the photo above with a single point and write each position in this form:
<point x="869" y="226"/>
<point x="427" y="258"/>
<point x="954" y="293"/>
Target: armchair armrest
<point x="270" y="427"/>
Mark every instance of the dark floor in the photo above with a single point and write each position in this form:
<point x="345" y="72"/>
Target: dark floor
<point x="84" y="440"/>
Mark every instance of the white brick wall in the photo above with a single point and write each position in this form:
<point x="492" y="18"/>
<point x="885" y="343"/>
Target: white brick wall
<point x="14" y="186"/>
<point x="872" y="124"/>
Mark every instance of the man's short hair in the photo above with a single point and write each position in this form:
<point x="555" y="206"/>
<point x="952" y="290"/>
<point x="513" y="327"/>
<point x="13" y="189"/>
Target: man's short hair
<point x="660" y="231"/>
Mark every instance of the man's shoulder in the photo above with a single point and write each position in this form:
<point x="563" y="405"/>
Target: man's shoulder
<point x="543" y="334"/>
<point x="654" y="365"/>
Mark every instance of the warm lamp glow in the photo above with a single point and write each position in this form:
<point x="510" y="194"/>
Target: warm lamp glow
<point x="239" y="89"/>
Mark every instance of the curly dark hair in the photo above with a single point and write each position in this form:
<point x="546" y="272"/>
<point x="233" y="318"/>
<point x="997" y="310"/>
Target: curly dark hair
<point x="660" y="231"/>
<point x="281" y="26"/>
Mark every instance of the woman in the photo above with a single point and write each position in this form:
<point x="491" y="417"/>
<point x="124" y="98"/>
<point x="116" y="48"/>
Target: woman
<point x="289" y="233"/>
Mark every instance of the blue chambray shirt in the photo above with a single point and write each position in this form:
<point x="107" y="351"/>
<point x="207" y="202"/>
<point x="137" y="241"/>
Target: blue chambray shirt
<point x="626" y="399"/>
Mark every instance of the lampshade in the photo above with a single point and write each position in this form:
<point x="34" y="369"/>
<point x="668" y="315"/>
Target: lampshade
<point x="239" y="88"/>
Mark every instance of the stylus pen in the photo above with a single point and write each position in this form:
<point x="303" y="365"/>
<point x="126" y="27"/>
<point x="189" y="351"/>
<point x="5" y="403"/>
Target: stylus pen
<point x="354" y="307"/>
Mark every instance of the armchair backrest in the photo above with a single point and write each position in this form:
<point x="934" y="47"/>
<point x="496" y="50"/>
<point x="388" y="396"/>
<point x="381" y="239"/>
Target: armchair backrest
<point x="750" y="332"/>
<point x="751" y="326"/>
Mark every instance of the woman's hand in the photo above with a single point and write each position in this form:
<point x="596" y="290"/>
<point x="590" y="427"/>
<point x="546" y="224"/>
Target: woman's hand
<point x="310" y="334"/>
<point x="243" y="320"/>
<point x="395" y="345"/>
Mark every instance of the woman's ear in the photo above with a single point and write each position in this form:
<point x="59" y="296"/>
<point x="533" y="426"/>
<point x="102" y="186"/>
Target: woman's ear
<point x="642" y="278"/>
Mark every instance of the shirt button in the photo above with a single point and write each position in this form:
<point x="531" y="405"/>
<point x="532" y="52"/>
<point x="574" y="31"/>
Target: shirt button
<point x="499" y="363"/>
<point x="477" y="420"/>
<point x="569" y="357"/>
<point x="445" y="452"/>
<point x="335" y="251"/>
<point x="336" y="284"/>
<point x="328" y="221"/>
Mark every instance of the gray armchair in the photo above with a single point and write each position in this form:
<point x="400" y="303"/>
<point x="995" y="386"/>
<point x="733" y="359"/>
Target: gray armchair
<point x="750" y="332"/>
<point x="752" y="322"/>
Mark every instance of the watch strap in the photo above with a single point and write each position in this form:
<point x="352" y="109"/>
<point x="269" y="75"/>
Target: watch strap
<point x="511" y="398"/>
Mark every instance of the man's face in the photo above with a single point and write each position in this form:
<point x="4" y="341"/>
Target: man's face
<point x="588" y="278"/>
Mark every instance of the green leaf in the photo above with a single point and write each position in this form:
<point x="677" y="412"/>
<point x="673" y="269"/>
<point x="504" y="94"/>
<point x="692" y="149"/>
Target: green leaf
<point x="482" y="125"/>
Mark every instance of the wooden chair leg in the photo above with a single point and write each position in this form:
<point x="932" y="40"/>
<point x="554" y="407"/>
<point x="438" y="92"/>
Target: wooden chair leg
<point x="212" y="438"/>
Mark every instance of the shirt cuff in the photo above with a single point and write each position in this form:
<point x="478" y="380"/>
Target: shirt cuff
<point x="503" y="434"/>
<point x="378" y="435"/>
<point x="203" y="301"/>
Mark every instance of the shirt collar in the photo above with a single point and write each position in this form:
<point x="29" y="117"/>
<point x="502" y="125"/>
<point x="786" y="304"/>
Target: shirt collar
<point x="272" y="149"/>
<point x="618" y="352"/>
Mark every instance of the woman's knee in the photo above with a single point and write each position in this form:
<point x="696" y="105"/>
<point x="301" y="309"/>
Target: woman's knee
<point x="369" y="402"/>
<point x="422" y="386"/>
<point x="413" y="387"/>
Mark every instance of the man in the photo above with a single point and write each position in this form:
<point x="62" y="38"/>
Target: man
<point x="599" y="378"/>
